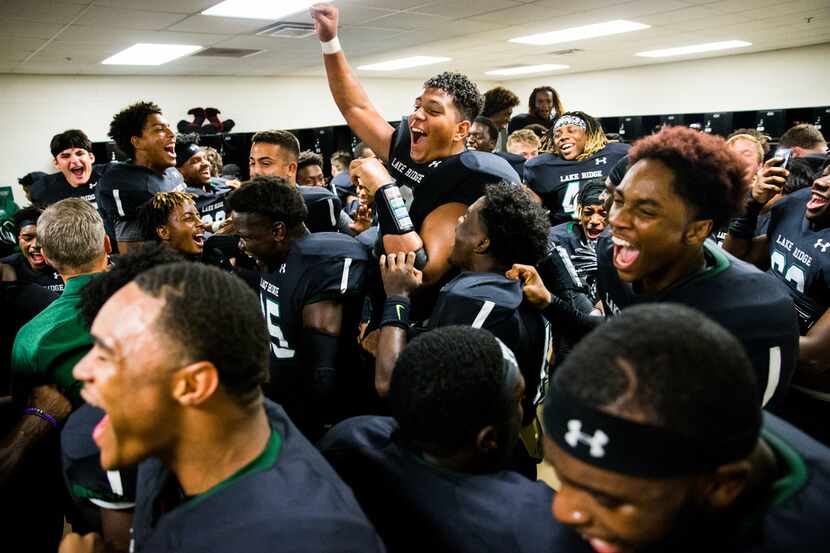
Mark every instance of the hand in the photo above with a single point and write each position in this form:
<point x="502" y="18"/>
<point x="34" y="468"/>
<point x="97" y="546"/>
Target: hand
<point x="235" y="183"/>
<point x="400" y="277"/>
<point x="533" y="286"/>
<point x="75" y="543"/>
<point x="769" y="181"/>
<point x="362" y="219"/>
<point x="325" y="18"/>
<point x="369" y="173"/>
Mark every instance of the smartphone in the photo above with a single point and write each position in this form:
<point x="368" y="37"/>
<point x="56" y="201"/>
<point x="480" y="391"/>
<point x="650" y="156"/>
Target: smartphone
<point x="784" y="154"/>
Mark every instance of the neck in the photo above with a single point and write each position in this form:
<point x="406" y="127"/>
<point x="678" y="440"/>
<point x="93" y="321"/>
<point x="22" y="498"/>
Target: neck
<point x="692" y="261"/>
<point x="216" y="443"/>
<point x="142" y="160"/>
<point x="486" y="264"/>
<point x="457" y="148"/>
<point x="97" y="266"/>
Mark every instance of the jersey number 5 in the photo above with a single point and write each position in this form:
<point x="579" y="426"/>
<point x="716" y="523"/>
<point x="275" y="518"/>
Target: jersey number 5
<point x="793" y="273"/>
<point x="279" y="345"/>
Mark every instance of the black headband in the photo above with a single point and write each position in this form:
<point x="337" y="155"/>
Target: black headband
<point x="185" y="151"/>
<point x="620" y="445"/>
<point x="26" y="223"/>
<point x="591" y="193"/>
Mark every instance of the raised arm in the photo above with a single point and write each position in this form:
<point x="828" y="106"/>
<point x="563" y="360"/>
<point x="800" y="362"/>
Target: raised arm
<point x="351" y="99"/>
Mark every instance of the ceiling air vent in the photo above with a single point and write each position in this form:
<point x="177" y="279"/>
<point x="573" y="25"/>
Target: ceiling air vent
<point x="287" y="29"/>
<point x="227" y="52"/>
<point x="567" y="52"/>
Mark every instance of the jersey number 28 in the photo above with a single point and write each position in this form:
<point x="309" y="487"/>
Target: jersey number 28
<point x="793" y="273"/>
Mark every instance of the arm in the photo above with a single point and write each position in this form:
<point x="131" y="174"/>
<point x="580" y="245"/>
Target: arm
<point x="7" y="273"/>
<point x="321" y="330"/>
<point x="400" y="279"/>
<point x="741" y="240"/>
<point x="31" y="428"/>
<point x="351" y="99"/>
<point x="115" y="527"/>
<point x="814" y="349"/>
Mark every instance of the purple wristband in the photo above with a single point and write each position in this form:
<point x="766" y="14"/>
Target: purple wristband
<point x="41" y="414"/>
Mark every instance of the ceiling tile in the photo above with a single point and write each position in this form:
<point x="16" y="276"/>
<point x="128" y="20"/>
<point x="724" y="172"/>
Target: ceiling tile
<point x="106" y="17"/>
<point x="218" y="25"/>
<point x="11" y="27"/>
<point x="169" y="6"/>
<point x="465" y="8"/>
<point x="42" y="12"/>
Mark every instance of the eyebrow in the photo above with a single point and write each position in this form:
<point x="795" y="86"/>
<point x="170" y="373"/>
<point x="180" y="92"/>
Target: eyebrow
<point x="642" y="202"/>
<point x="101" y="343"/>
<point x="589" y="489"/>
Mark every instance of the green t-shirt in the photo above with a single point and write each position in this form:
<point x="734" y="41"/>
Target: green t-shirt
<point x="49" y="346"/>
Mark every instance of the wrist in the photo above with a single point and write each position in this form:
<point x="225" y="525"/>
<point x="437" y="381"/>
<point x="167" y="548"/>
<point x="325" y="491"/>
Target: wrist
<point x="395" y="312"/>
<point x="331" y="46"/>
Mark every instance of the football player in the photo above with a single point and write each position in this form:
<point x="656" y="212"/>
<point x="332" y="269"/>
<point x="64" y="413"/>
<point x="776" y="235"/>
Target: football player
<point x="311" y="291"/>
<point x="76" y="176"/>
<point x="172" y="218"/>
<point x="29" y="265"/>
<point x="209" y="192"/>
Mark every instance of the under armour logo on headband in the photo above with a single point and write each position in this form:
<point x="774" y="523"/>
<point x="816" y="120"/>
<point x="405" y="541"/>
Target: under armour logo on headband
<point x="570" y="120"/>
<point x="598" y="441"/>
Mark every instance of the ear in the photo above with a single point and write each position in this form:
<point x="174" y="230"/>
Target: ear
<point x="91" y="158"/>
<point x="292" y="169"/>
<point x="55" y="163"/>
<point x="194" y="384"/>
<point x="482" y="246"/>
<point x="486" y="439"/>
<point x="107" y="244"/>
<point x="727" y="484"/>
<point x="278" y="231"/>
<point x="163" y="232"/>
<point x="698" y="231"/>
<point x="462" y="130"/>
<point x="798" y="151"/>
<point x="135" y="141"/>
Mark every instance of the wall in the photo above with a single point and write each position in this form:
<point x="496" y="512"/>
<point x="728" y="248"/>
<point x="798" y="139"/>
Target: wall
<point x="796" y="77"/>
<point x="36" y="107"/>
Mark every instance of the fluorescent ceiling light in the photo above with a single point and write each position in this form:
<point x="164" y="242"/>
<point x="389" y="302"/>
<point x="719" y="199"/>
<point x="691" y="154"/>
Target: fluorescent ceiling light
<point x="694" y="49"/>
<point x="403" y="63"/>
<point x="258" y="9"/>
<point x="581" y="33"/>
<point x="526" y="69"/>
<point x="150" y="54"/>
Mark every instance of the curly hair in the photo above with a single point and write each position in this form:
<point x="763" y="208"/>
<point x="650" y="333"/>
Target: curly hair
<point x="271" y="197"/>
<point x="308" y="158"/>
<point x="124" y="269"/>
<point x="707" y="174"/>
<point x="801" y="175"/>
<point x="464" y="92"/>
<point x="595" y="139"/>
<point x="446" y="387"/>
<point x="517" y="226"/>
<point x="558" y="107"/>
<point x="30" y="213"/>
<point x="215" y="159"/>
<point x="129" y="122"/>
<point x="284" y="139"/>
<point x="73" y="138"/>
<point x="498" y="99"/>
<point x="156" y="211"/>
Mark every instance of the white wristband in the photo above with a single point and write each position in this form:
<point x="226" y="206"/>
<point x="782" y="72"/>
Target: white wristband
<point x="332" y="46"/>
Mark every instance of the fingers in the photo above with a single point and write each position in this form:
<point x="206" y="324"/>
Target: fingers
<point x="523" y="272"/>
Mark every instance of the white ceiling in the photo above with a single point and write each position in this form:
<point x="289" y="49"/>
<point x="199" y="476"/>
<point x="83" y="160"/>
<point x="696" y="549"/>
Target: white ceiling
<point x="73" y="36"/>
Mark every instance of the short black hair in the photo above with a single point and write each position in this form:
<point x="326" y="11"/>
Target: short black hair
<point x="590" y="192"/>
<point x="272" y="197"/>
<point x="517" y="226"/>
<point x="492" y="129"/>
<point x="308" y="158"/>
<point x="464" y="93"/>
<point x="446" y="387"/>
<point x="124" y="269"/>
<point x="129" y="122"/>
<point x="801" y="175"/>
<point x="498" y="99"/>
<point x="668" y="363"/>
<point x="30" y="213"/>
<point x="283" y="139"/>
<point x="155" y="212"/>
<point x="707" y="174"/>
<point x="230" y="333"/>
<point x="73" y="138"/>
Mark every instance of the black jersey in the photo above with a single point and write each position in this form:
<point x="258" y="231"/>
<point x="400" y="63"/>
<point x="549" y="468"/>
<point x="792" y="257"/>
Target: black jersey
<point x="47" y="277"/>
<point x="516" y="161"/>
<point x="123" y="189"/>
<point x="81" y="459"/>
<point x="323" y="208"/>
<point x="54" y="188"/>
<point x="800" y="257"/>
<point x="523" y="120"/>
<point x="457" y="178"/>
<point x="558" y="181"/>
<point x="290" y="501"/>
<point x="747" y="302"/>
<point x="495" y="303"/>
<point x="211" y="203"/>
<point x="320" y="266"/>
<point x="417" y="507"/>
<point x="581" y="251"/>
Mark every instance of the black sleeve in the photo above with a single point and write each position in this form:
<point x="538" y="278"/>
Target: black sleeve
<point x="336" y="277"/>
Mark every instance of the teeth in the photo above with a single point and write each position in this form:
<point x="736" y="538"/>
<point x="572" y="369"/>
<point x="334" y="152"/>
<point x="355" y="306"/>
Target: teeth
<point x="620" y="242"/>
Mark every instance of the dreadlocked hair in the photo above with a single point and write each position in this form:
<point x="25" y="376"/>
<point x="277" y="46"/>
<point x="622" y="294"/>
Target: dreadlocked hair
<point x="156" y="211"/>
<point x="595" y="139"/>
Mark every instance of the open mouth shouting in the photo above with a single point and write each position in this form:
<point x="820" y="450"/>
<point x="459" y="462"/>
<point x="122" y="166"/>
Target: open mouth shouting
<point x="199" y="239"/>
<point x="419" y="143"/>
<point x="593" y="232"/>
<point x="170" y="150"/>
<point x="36" y="259"/>
<point x="625" y="254"/>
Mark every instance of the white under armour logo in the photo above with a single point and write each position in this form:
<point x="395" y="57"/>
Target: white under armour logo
<point x="435" y="163"/>
<point x="822" y="244"/>
<point x="601" y="161"/>
<point x="282" y="268"/>
<point x="574" y="435"/>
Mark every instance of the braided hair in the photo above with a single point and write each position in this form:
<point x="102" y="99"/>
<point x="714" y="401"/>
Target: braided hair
<point x="595" y="139"/>
<point x="156" y="212"/>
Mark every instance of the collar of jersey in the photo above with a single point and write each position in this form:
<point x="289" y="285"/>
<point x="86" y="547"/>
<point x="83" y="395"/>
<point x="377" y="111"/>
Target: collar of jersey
<point x="795" y="470"/>
<point x="715" y="262"/>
